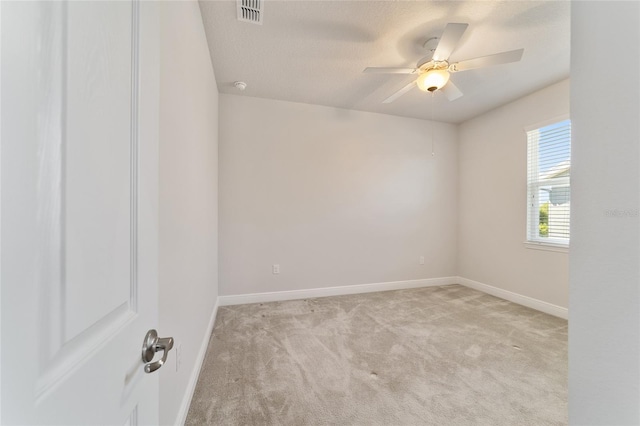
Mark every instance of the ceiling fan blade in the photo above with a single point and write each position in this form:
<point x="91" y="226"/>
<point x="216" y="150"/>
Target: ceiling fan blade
<point x="487" y="61"/>
<point x="400" y="92"/>
<point x="451" y="91"/>
<point x="389" y="70"/>
<point x="450" y="38"/>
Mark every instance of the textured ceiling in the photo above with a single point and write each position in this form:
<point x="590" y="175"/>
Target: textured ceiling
<point x="315" y="51"/>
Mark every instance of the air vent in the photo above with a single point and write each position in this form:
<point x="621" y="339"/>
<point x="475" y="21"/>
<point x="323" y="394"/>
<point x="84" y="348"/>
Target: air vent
<point x="251" y="11"/>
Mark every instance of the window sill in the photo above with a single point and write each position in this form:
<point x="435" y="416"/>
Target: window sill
<point x="539" y="245"/>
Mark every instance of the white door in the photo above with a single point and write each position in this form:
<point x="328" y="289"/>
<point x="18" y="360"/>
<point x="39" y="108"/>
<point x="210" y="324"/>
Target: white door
<point x="78" y="211"/>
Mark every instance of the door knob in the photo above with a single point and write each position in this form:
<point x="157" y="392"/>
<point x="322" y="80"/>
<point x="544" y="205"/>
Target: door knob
<point x="152" y="344"/>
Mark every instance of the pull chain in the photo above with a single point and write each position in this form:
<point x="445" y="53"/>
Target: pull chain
<point x="433" y="150"/>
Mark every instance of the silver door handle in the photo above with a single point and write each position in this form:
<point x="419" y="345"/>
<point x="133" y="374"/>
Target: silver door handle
<point x="152" y="344"/>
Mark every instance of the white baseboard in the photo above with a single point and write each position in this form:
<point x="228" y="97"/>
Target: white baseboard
<point x="195" y="373"/>
<point x="241" y="299"/>
<point x="529" y="302"/>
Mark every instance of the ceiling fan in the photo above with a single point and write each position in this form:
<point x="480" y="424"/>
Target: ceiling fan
<point x="434" y="70"/>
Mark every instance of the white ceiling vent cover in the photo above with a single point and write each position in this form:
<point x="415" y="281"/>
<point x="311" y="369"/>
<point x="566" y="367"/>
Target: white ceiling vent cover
<point x="251" y="11"/>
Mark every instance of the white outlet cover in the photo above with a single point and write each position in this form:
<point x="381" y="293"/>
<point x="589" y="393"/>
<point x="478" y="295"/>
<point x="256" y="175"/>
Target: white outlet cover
<point x="275" y="269"/>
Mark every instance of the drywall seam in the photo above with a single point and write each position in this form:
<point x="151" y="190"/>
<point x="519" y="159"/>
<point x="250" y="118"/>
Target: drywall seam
<point x="195" y="373"/>
<point x="241" y="299"/>
<point x="539" y="305"/>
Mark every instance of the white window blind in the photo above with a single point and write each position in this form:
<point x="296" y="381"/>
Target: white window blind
<point x="548" y="183"/>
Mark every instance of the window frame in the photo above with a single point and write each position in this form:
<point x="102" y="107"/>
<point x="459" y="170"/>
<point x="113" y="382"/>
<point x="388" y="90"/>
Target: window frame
<point x="550" y="244"/>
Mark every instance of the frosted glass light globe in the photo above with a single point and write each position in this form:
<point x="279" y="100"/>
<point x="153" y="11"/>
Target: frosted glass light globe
<point x="433" y="80"/>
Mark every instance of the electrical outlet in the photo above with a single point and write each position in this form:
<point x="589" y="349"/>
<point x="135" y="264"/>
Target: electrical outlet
<point x="422" y="260"/>
<point x="178" y="356"/>
<point x="275" y="269"/>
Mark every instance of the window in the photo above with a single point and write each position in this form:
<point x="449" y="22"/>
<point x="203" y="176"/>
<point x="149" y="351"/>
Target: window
<point x="548" y="183"/>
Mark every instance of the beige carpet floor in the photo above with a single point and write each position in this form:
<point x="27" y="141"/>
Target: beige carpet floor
<point x="445" y="355"/>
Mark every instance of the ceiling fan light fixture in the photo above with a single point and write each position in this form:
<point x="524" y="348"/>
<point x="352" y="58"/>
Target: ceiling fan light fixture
<point x="432" y="80"/>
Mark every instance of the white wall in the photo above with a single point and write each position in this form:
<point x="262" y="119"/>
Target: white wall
<point x="188" y="197"/>
<point x="604" y="330"/>
<point x="335" y="197"/>
<point x="493" y="196"/>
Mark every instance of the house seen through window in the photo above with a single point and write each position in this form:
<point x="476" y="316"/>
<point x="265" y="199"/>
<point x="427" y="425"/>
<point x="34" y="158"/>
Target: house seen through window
<point x="548" y="183"/>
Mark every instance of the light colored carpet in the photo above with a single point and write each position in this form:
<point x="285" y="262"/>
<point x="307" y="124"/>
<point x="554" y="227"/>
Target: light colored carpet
<point x="431" y="356"/>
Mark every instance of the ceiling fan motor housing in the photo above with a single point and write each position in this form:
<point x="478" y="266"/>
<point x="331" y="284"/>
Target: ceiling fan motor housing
<point x="430" y="46"/>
